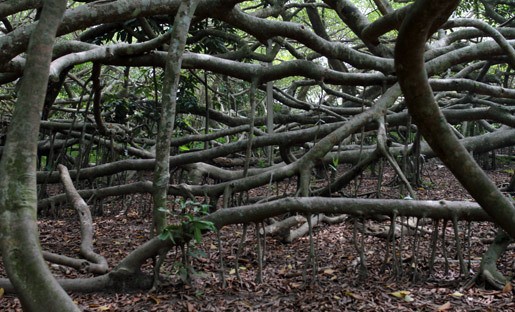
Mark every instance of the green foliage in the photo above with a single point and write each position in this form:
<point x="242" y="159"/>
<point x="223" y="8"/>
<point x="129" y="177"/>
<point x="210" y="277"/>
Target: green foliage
<point x="262" y="163"/>
<point x="187" y="95"/>
<point x="212" y="44"/>
<point x="191" y="146"/>
<point x="221" y="140"/>
<point x="191" y="225"/>
<point x="182" y="233"/>
<point x="183" y="121"/>
<point x="335" y="163"/>
<point x="277" y="108"/>
<point x="184" y="148"/>
<point x="428" y="184"/>
<point x="118" y="108"/>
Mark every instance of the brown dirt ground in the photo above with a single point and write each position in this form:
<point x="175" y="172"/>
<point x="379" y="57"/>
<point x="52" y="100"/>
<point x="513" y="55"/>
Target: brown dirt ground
<point x="288" y="284"/>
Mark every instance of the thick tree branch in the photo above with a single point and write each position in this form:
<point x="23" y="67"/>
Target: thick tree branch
<point x="409" y="57"/>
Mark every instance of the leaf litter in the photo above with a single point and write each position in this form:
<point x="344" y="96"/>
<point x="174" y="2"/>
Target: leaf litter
<point x="288" y="283"/>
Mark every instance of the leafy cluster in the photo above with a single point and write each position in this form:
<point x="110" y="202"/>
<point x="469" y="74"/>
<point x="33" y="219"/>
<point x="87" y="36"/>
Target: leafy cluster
<point x="192" y="224"/>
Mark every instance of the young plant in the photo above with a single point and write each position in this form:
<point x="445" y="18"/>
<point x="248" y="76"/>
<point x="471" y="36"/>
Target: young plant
<point x="186" y="233"/>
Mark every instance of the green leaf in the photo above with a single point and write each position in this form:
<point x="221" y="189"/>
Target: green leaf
<point x="189" y="217"/>
<point x="336" y="161"/>
<point x="197" y="234"/>
<point x="165" y="235"/>
<point x="209" y="225"/>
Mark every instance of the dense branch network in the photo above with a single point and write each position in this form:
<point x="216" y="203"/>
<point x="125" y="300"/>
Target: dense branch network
<point x="332" y="82"/>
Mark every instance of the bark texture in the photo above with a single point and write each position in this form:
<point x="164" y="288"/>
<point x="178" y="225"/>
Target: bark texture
<point x="420" y="23"/>
<point x="167" y="122"/>
<point x="86" y="225"/>
<point x="35" y="285"/>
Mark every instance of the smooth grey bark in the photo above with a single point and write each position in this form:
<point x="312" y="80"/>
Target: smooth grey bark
<point x="357" y="22"/>
<point x="12" y="6"/>
<point x="487" y="29"/>
<point x="106" y="11"/>
<point x="100" y="12"/>
<point x="488" y="269"/>
<point x="423" y="19"/>
<point x="169" y="102"/>
<point x="478" y="144"/>
<point x="86" y="223"/>
<point x="104" y="52"/>
<point x="313" y="205"/>
<point x="19" y="242"/>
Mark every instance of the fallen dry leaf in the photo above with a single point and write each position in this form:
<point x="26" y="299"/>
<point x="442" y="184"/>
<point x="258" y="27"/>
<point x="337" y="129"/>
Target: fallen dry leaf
<point x="457" y="294"/>
<point x="507" y="288"/>
<point x="329" y="271"/>
<point x="154" y="299"/>
<point x="444" y="307"/>
<point x="403" y="294"/>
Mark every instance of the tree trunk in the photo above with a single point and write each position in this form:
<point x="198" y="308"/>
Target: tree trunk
<point x="166" y="124"/>
<point x="422" y="20"/>
<point x="33" y="281"/>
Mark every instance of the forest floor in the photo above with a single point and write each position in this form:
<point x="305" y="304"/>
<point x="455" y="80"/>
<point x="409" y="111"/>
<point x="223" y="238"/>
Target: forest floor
<point x="394" y="277"/>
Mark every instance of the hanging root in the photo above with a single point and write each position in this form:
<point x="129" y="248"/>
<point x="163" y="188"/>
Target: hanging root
<point x="488" y="272"/>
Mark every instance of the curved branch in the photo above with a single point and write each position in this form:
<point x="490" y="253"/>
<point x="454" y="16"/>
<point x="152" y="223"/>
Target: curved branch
<point x="86" y="221"/>
<point x="103" y="53"/>
<point x="384" y="24"/>
<point x="487" y="29"/>
<point x="13" y="6"/>
<point x="409" y="60"/>
<point x="129" y="267"/>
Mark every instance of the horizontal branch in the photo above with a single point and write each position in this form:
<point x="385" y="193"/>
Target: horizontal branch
<point x="129" y="266"/>
<point x="459" y="210"/>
